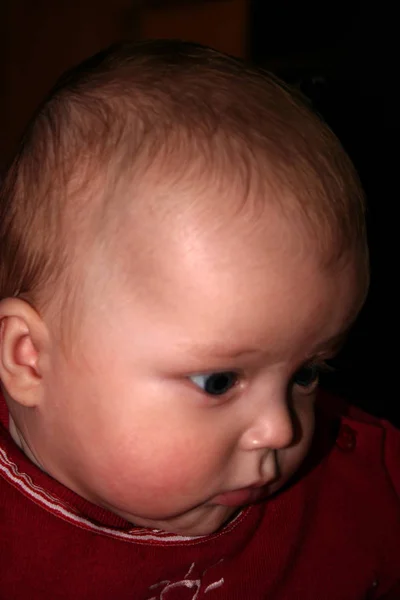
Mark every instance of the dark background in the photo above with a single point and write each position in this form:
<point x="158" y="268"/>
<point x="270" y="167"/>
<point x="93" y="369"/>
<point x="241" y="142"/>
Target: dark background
<point x="343" y="55"/>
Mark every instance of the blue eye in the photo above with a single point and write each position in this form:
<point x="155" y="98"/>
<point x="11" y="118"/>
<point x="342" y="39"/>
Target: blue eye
<point x="307" y="376"/>
<point x="215" y="384"/>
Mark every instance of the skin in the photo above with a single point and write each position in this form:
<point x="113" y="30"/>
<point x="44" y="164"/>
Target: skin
<point x="122" y="422"/>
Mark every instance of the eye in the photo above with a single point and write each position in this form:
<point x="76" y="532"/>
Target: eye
<point x="307" y="376"/>
<point x="215" y="384"/>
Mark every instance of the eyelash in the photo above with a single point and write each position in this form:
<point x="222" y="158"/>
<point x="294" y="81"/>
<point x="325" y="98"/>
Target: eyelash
<point x="220" y="391"/>
<point x="316" y="369"/>
<point x="320" y="367"/>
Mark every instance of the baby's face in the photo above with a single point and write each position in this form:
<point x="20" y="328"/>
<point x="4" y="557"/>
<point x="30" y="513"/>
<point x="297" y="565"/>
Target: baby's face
<point x="192" y="388"/>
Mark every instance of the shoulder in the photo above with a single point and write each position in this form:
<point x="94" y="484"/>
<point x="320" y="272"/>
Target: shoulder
<point x="351" y="484"/>
<point x="368" y="446"/>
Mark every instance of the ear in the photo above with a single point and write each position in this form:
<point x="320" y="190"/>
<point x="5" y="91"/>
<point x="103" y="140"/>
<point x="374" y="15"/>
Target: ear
<point x="23" y="341"/>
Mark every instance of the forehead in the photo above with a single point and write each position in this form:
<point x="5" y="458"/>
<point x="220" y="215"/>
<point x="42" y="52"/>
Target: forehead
<point x="220" y="226"/>
<point x="207" y="275"/>
<point x="276" y="300"/>
<point x="216" y="214"/>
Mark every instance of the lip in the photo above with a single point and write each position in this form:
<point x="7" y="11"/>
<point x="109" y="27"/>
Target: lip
<point x="247" y="495"/>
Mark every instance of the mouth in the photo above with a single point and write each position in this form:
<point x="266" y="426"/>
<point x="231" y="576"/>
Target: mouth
<point x="242" y="496"/>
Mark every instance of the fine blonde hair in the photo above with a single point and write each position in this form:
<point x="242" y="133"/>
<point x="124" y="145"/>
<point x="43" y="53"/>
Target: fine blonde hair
<point x="138" y="105"/>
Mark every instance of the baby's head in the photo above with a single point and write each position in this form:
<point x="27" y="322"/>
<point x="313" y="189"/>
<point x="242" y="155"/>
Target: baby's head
<point x="182" y="244"/>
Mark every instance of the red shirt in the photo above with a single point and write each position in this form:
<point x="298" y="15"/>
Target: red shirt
<point x="333" y="534"/>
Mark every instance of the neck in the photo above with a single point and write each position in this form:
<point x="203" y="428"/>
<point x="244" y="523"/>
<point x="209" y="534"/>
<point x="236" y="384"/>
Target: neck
<point x="19" y="439"/>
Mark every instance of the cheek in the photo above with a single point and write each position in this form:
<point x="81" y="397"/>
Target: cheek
<point x="157" y="471"/>
<point x="291" y="458"/>
<point x="157" y="442"/>
<point x="139" y="448"/>
<point x="305" y="415"/>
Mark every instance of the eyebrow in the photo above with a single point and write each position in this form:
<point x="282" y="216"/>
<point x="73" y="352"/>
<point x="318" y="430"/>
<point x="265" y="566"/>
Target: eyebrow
<point x="222" y="351"/>
<point x="334" y="343"/>
<point x="225" y="351"/>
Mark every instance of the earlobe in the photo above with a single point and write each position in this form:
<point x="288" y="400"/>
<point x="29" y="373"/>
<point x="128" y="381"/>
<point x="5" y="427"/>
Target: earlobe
<point x="22" y="340"/>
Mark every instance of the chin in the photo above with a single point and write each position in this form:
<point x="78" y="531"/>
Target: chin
<point x="197" y="523"/>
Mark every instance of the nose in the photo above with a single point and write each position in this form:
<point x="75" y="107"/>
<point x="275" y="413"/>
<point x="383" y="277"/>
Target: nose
<point x="272" y="428"/>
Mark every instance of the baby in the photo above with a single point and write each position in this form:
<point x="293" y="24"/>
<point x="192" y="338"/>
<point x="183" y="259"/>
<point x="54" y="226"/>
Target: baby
<point x="182" y="247"/>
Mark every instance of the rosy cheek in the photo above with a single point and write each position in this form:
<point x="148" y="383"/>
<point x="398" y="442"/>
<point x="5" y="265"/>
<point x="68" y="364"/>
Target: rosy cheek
<point x="180" y="472"/>
<point x="156" y="472"/>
